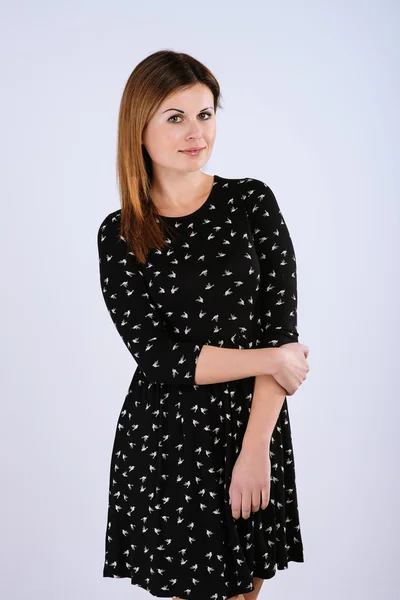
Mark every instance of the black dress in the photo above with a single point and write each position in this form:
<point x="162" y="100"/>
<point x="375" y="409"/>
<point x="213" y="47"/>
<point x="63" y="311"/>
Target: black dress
<point x="226" y="278"/>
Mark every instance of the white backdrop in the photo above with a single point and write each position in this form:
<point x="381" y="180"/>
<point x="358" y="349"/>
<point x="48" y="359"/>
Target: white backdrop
<point x="311" y="97"/>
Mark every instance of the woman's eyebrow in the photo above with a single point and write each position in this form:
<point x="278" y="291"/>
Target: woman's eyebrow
<point x="182" y="111"/>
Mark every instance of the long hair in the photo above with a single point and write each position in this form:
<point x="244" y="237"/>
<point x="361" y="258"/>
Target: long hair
<point x="152" y="80"/>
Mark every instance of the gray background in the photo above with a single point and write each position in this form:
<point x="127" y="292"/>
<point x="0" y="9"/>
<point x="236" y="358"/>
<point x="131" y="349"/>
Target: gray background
<point x="311" y="98"/>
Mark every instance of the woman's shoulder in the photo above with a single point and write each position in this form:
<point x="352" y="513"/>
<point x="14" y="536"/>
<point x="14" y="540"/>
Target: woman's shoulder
<point x="110" y="220"/>
<point x="243" y="183"/>
<point x="108" y="233"/>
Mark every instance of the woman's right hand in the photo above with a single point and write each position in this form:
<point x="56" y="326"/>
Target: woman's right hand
<point x="291" y="366"/>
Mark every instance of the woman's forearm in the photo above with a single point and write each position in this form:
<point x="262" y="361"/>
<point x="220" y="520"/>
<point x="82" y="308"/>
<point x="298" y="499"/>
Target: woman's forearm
<point x="216" y="365"/>
<point x="268" y="398"/>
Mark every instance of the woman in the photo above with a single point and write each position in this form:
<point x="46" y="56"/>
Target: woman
<point x="198" y="274"/>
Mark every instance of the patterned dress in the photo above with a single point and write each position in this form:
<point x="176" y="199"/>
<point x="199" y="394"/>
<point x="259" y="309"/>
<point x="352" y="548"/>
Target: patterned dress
<point x="227" y="278"/>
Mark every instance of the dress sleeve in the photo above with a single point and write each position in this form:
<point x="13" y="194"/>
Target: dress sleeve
<point x="277" y="259"/>
<point x="126" y="294"/>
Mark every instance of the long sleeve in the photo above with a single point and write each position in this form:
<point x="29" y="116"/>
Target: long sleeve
<point x="277" y="259"/>
<point x="126" y="294"/>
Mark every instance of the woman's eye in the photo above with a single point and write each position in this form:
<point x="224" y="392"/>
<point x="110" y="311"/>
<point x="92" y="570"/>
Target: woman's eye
<point x="179" y="116"/>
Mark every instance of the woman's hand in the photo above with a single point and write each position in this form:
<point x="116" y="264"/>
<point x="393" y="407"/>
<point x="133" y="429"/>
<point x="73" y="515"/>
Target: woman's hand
<point x="291" y="366"/>
<point x="251" y="480"/>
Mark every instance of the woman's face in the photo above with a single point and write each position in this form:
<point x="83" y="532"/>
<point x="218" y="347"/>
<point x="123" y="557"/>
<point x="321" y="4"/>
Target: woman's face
<point x="184" y="120"/>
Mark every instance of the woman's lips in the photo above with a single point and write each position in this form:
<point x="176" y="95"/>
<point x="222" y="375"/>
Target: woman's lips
<point x="192" y="152"/>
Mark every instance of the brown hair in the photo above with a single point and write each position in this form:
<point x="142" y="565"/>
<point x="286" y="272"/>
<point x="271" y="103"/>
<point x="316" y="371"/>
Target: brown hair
<point x="152" y="80"/>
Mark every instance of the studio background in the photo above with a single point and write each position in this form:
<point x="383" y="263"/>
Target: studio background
<point x="310" y="96"/>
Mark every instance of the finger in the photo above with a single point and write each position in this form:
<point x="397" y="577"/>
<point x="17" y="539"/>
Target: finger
<point x="255" y="500"/>
<point x="246" y="504"/>
<point x="265" y="497"/>
<point x="236" y="501"/>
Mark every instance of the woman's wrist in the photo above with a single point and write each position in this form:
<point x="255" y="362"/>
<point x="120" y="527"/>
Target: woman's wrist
<point x="269" y="360"/>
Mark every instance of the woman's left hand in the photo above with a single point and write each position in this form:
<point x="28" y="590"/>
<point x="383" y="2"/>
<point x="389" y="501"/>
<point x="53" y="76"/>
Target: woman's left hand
<point x="251" y="480"/>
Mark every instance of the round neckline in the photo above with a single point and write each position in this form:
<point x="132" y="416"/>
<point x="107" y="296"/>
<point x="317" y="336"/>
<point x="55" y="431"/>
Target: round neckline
<point x="199" y="210"/>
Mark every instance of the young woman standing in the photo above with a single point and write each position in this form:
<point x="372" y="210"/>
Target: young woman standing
<point x="198" y="273"/>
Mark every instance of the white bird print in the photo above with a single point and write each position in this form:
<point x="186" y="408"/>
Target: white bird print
<point x="176" y="441"/>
